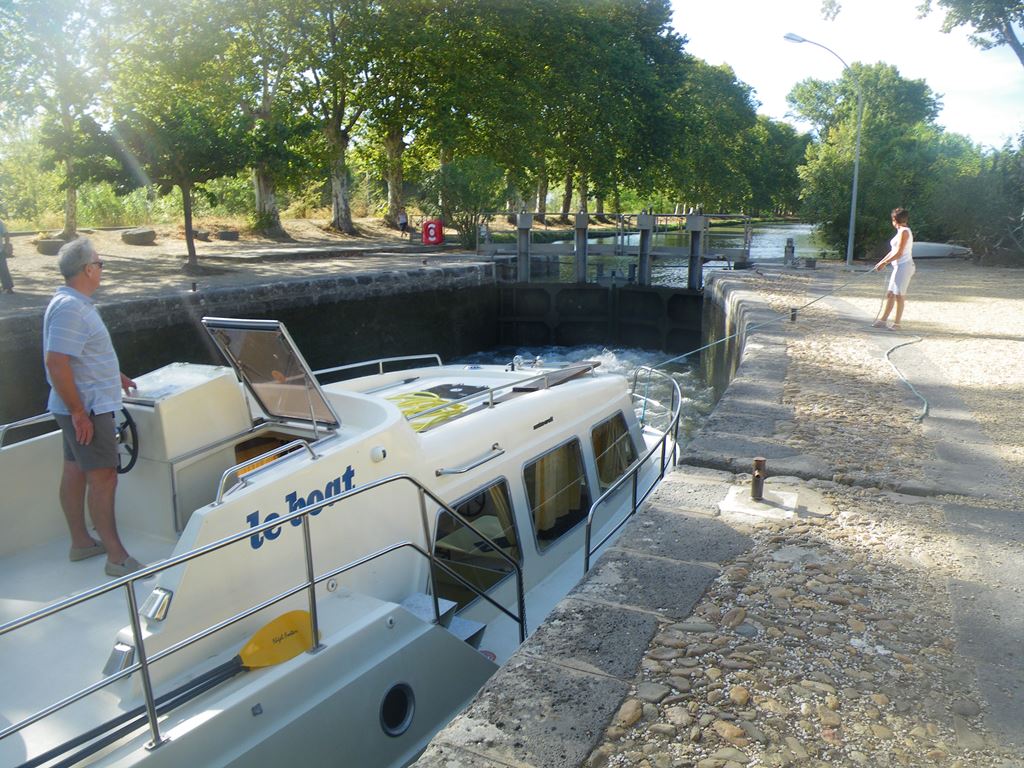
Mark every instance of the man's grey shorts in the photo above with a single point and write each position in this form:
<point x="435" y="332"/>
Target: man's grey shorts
<point x="101" y="453"/>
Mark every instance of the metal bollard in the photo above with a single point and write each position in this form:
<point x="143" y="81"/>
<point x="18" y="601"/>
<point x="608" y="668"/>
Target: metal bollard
<point x="792" y="314"/>
<point x="757" y="481"/>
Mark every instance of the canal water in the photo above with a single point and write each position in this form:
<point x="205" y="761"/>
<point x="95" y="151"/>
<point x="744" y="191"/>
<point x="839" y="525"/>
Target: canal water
<point x="768" y="244"/>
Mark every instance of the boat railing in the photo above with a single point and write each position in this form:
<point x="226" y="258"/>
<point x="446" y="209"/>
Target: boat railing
<point x="632" y="473"/>
<point x="379" y="362"/>
<point x="29" y="422"/>
<point x="143" y="661"/>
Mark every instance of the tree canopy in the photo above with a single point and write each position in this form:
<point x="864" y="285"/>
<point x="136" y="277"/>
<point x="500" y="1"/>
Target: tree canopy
<point x="379" y="104"/>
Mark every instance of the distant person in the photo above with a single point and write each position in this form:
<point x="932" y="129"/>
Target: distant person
<point x="6" y="251"/>
<point x="901" y="257"/>
<point x="86" y="384"/>
<point x="403" y="222"/>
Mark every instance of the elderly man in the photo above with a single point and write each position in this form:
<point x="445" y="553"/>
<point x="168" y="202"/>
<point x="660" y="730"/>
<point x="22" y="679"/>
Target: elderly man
<point x="86" y="384"/>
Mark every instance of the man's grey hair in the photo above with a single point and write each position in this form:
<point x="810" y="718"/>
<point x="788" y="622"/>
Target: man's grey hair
<point x="72" y="257"/>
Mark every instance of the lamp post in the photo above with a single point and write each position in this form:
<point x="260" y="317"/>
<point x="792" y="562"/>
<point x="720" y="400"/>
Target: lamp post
<point x="856" y="151"/>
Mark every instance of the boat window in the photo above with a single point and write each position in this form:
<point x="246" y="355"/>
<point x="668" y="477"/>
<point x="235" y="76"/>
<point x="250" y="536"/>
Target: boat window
<point x="613" y="449"/>
<point x="466" y="553"/>
<point x="557" y="488"/>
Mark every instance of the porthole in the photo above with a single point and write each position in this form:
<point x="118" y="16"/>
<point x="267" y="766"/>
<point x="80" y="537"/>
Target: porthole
<point x="396" y="710"/>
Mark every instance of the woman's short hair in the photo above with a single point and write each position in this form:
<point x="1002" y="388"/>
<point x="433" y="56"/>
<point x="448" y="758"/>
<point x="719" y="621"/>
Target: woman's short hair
<point x="72" y="257"/>
<point x="902" y="215"/>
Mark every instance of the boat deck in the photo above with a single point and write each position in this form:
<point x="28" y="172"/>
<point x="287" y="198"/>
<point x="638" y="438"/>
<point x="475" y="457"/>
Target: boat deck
<point x="59" y="655"/>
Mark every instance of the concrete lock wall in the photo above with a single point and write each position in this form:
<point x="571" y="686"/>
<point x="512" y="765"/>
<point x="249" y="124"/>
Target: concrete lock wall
<point x="534" y="314"/>
<point x="448" y="310"/>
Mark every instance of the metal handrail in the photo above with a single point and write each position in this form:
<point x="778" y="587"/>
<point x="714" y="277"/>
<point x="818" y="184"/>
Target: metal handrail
<point x="40" y="419"/>
<point x="495" y="452"/>
<point x="309" y="585"/>
<point x="633" y="472"/>
<point x="281" y="449"/>
<point x="379" y="362"/>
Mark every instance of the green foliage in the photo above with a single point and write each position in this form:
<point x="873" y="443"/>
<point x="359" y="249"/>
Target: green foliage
<point x="468" y="187"/>
<point x="359" y="106"/>
<point x="29" y="194"/>
<point x="897" y="150"/>
<point x="996" y="22"/>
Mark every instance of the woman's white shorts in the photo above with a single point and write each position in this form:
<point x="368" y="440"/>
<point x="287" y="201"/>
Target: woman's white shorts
<point x="899" y="281"/>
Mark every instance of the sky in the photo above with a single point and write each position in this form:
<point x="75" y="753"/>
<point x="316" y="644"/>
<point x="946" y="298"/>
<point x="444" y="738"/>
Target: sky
<point x="982" y="92"/>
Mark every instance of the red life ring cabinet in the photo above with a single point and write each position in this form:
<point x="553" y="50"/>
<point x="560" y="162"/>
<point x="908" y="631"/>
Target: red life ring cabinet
<point x="433" y="232"/>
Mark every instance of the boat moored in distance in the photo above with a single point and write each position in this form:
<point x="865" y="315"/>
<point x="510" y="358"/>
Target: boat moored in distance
<point x="338" y="564"/>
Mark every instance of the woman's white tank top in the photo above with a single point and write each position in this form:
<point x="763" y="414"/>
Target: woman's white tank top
<point x="908" y="252"/>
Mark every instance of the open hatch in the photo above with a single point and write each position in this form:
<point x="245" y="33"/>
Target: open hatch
<point x="272" y="369"/>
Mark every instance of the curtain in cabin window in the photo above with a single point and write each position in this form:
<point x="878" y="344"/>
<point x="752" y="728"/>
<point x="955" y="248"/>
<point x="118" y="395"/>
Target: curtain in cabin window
<point x="557" y="488"/>
<point x="613" y="448"/>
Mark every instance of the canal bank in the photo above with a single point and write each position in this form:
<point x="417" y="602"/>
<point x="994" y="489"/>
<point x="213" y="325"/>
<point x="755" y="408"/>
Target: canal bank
<point x="868" y="615"/>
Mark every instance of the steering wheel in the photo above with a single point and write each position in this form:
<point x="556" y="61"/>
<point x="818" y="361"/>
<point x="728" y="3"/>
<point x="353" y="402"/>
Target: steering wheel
<point x="127" y="442"/>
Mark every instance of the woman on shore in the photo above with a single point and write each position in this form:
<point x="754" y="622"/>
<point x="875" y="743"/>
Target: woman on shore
<point x="901" y="257"/>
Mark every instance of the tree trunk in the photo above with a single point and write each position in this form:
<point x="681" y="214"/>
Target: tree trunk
<point x="542" y="196"/>
<point x="268" y="217"/>
<point x="567" y="198"/>
<point x="444" y="156"/>
<point x="70" y="205"/>
<point x="1010" y="36"/>
<point x="71" y="193"/>
<point x="341" y="211"/>
<point x="617" y="200"/>
<point x="599" y="205"/>
<point x="190" y="241"/>
<point x="394" y="145"/>
<point x="584" y="193"/>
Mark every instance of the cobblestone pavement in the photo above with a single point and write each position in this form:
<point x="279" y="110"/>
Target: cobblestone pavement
<point x="839" y="638"/>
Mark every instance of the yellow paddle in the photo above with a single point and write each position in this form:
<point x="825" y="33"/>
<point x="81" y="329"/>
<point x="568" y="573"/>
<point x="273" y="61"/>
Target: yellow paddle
<point x="282" y="639"/>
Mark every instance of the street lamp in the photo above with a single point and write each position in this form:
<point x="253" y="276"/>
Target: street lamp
<point x="856" y="152"/>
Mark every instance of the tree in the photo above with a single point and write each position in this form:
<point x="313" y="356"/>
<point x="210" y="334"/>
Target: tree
<point x="773" y="151"/>
<point x="170" y="121"/>
<point x="259" y="65"/>
<point x="394" y="96"/>
<point x="467" y="187"/>
<point x="713" y="111"/>
<point x="897" y="148"/>
<point x="334" y="58"/>
<point x="51" y="63"/>
<point x="996" y="22"/>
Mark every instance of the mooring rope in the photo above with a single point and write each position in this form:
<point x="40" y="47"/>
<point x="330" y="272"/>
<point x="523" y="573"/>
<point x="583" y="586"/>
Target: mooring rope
<point x="890" y="350"/>
<point x="793" y="313"/>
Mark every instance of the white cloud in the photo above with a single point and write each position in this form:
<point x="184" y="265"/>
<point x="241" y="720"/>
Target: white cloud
<point x="982" y="91"/>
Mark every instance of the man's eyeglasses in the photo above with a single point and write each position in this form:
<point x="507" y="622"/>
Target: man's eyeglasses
<point x="98" y="263"/>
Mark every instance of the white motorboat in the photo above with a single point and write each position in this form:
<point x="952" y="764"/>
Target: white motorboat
<point x="337" y="567"/>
